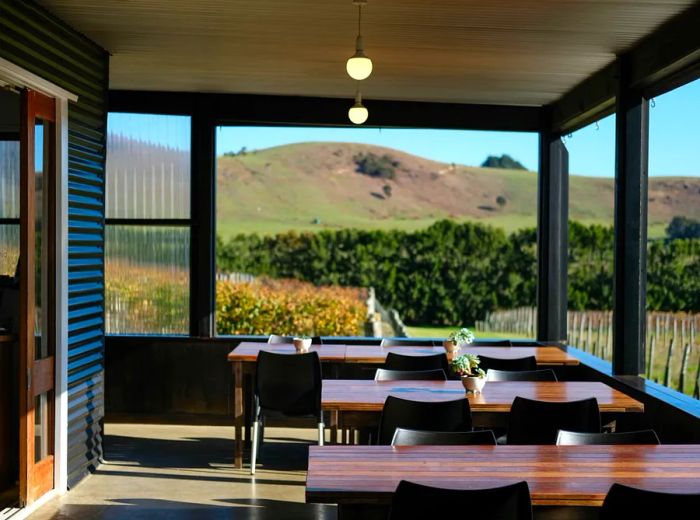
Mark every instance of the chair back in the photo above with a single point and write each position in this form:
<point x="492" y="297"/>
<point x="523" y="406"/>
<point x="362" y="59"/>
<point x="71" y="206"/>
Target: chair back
<point x="440" y="416"/>
<point x="403" y="342"/>
<point x="566" y="438"/>
<point x="289" y="384"/>
<point x="406" y="437"/>
<point x="521" y="375"/>
<point x="640" y="504"/>
<point x="277" y="339"/>
<point x="523" y="363"/>
<point x="396" y="361"/>
<point x="382" y="374"/>
<point x="503" y="503"/>
<point x="539" y="422"/>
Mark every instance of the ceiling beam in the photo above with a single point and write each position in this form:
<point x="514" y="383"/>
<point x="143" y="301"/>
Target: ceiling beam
<point x="662" y="61"/>
<point x="233" y="109"/>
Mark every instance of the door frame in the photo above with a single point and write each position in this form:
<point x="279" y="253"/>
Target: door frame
<point x="17" y="76"/>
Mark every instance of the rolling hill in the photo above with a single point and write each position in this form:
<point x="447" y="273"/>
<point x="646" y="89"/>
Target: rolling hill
<point x="313" y="186"/>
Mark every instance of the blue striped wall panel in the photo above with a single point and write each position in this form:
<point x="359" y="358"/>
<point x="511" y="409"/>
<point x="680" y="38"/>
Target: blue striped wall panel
<point x="34" y="39"/>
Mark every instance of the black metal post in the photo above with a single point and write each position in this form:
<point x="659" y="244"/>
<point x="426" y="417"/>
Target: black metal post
<point x="631" y="178"/>
<point x="203" y="239"/>
<point x="552" y="238"/>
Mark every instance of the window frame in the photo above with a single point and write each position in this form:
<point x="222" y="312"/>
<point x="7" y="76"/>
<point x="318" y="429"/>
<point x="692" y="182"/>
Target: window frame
<point x="141" y="222"/>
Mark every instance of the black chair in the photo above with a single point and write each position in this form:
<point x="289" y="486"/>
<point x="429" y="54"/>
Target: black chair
<point x="403" y="342"/>
<point x="493" y="343"/>
<point x="396" y="361"/>
<point x="406" y="437"/>
<point x="382" y="374"/>
<point x="440" y="416"/>
<point x="521" y="375"/>
<point x="286" y="385"/>
<point x="276" y="339"/>
<point x="502" y="503"/>
<point x="524" y="363"/>
<point x="640" y="504"/>
<point x="539" y="422"/>
<point x="566" y="438"/>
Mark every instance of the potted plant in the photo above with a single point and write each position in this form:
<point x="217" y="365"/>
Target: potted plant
<point x="467" y="367"/>
<point x="302" y="343"/>
<point x="457" y="340"/>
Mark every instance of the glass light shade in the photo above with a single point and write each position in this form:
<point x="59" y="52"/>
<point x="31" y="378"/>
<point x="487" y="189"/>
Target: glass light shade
<point x="358" y="114"/>
<point x="359" y="66"/>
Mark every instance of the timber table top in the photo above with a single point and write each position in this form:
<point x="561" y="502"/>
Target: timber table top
<point x="377" y="354"/>
<point x="556" y="475"/>
<point x="497" y="396"/>
<point x="248" y="351"/>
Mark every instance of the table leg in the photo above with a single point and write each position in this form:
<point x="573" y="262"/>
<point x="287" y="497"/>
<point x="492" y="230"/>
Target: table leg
<point x="238" y="414"/>
<point x="334" y="426"/>
<point x="249" y="406"/>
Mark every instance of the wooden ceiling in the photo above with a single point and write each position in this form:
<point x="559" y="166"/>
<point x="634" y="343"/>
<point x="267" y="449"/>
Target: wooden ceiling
<point x="516" y="52"/>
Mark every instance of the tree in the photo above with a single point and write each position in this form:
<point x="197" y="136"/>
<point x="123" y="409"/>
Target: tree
<point x="681" y="227"/>
<point x="373" y="165"/>
<point x="501" y="200"/>
<point x="505" y="161"/>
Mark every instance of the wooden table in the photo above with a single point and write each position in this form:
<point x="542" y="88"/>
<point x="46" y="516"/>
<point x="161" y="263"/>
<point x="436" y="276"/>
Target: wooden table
<point x="353" y="476"/>
<point x="357" y="403"/>
<point x="368" y="396"/>
<point x="243" y="359"/>
<point x="377" y="354"/>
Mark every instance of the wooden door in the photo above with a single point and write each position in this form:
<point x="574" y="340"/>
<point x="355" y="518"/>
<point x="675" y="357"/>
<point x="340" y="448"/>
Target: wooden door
<point x="37" y="295"/>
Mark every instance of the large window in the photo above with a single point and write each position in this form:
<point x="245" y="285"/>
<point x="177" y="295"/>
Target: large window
<point x="591" y="237"/>
<point x="147" y="251"/>
<point x="673" y="261"/>
<point x="438" y="225"/>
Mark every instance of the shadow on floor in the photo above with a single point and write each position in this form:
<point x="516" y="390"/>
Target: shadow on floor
<point x="203" y="452"/>
<point x="152" y="509"/>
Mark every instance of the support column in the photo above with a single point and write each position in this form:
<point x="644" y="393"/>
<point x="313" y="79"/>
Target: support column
<point x="552" y="238"/>
<point x="631" y="195"/>
<point x="203" y="238"/>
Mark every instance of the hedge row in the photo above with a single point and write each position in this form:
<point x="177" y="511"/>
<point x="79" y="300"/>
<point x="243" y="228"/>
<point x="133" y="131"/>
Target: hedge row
<point x="288" y="307"/>
<point x="457" y="272"/>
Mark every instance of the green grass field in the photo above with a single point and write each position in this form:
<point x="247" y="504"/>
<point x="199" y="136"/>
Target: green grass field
<point x="442" y="332"/>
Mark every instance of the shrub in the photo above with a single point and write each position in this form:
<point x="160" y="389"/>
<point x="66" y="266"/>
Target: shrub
<point x="457" y="272"/>
<point x="681" y="227"/>
<point x="382" y="167"/>
<point x="145" y="299"/>
<point x="288" y="307"/>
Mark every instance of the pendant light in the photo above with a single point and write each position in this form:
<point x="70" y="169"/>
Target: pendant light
<point x="358" y="114"/>
<point x="359" y="66"/>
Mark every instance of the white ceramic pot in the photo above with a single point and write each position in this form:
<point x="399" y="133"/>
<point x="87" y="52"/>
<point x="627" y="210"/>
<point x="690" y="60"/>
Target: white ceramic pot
<point x="302" y="344"/>
<point x="473" y="383"/>
<point x="450" y="346"/>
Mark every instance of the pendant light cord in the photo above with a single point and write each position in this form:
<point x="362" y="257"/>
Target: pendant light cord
<point x="359" y="20"/>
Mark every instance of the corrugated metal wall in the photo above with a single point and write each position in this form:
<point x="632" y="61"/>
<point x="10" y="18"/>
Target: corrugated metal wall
<point x="40" y="43"/>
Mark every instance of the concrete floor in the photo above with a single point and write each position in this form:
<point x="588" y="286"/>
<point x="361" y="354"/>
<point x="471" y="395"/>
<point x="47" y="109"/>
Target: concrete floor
<point x="165" y="471"/>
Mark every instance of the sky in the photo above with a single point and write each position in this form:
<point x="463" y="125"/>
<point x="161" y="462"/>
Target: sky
<point x="674" y="138"/>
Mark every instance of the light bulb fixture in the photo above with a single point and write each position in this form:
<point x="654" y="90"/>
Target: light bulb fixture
<point x="358" y="114"/>
<point x="359" y="66"/>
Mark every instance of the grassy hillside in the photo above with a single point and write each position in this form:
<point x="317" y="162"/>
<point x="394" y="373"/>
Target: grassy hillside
<point x="312" y="186"/>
